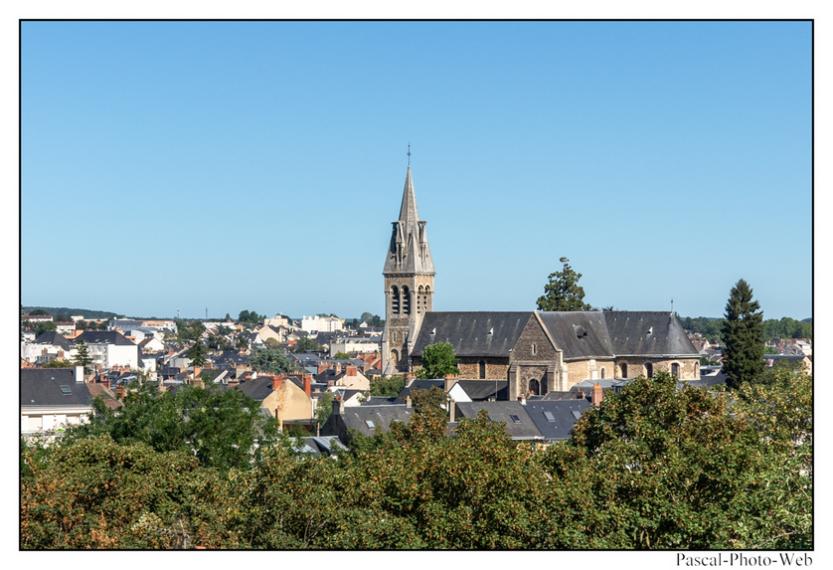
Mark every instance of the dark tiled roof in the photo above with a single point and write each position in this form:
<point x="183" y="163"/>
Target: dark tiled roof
<point x="647" y="332"/>
<point x="45" y="387"/>
<point x="580" y="334"/>
<point x="103" y="337"/>
<point x="380" y="417"/>
<point x="482" y="389"/>
<point x="469" y="332"/>
<point x="257" y="389"/>
<point x="54" y="338"/>
<point x="556" y="418"/>
<point x="512" y="414"/>
<point x="319" y="445"/>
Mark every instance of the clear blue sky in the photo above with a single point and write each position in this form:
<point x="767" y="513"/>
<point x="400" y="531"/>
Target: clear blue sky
<point x="258" y="165"/>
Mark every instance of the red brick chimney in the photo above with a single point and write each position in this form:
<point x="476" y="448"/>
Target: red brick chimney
<point x="352" y="371"/>
<point x="598" y="395"/>
<point x="277" y="382"/>
<point x="308" y="385"/>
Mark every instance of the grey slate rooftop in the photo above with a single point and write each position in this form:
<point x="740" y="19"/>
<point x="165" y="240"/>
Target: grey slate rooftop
<point x="53" y="338"/>
<point x="52" y="387"/>
<point x="472" y="333"/>
<point x="555" y="418"/>
<point x="104" y="337"/>
<point x="370" y="420"/>
<point x="513" y="415"/>
<point x="482" y="389"/>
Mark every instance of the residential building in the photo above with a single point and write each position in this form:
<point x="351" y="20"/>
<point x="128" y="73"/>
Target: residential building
<point x="110" y="348"/>
<point x="52" y="398"/>
<point x="354" y="344"/>
<point x="321" y="323"/>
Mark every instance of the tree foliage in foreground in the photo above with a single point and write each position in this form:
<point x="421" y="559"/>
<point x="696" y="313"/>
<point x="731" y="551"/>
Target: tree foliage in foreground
<point x="653" y="467"/>
<point x="743" y="335"/>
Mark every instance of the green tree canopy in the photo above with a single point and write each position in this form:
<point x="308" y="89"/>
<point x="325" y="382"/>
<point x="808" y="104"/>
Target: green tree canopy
<point x="743" y="337"/>
<point x="82" y="354"/>
<point x="562" y="291"/>
<point x="198" y="354"/>
<point x="219" y="427"/>
<point x="306" y="344"/>
<point x="250" y="317"/>
<point x="270" y="359"/>
<point x="438" y="360"/>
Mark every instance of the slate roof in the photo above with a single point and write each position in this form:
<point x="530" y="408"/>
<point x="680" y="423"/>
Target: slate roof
<point x="556" y="418"/>
<point x="469" y="332"/>
<point x="629" y="333"/>
<point x="319" y="445"/>
<point x="580" y="334"/>
<point x="103" y="337"/>
<point x="53" y="338"/>
<point x="52" y="387"/>
<point x="512" y="414"/>
<point x="482" y="389"/>
<point x="257" y="389"/>
<point x="421" y="384"/>
<point x="381" y="417"/>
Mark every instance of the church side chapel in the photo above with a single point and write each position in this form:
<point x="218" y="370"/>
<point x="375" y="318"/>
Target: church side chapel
<point x="537" y="352"/>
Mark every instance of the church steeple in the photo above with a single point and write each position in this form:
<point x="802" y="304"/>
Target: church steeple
<point x="409" y="251"/>
<point x="409" y="281"/>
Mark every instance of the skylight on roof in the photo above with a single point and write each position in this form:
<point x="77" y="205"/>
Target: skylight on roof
<point x="370" y="424"/>
<point x="66" y="390"/>
<point x="515" y="419"/>
<point x="576" y="414"/>
<point x="549" y="416"/>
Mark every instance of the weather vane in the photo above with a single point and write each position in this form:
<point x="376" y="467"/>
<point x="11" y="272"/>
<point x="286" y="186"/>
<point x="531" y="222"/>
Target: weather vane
<point x="409" y="154"/>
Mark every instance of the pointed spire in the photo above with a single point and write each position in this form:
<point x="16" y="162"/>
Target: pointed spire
<point x="408" y="210"/>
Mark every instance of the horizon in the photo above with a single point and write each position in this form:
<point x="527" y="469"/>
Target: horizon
<point x="258" y="165"/>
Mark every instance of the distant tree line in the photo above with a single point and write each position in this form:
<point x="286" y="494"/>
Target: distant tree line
<point x="785" y="327"/>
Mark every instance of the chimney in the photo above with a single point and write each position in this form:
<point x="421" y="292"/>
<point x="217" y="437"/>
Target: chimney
<point x="79" y="373"/>
<point x="337" y="406"/>
<point x="277" y="382"/>
<point x="452" y="410"/>
<point x="308" y="385"/>
<point x="321" y="368"/>
<point x="450" y="380"/>
<point x="408" y="402"/>
<point x="522" y="399"/>
<point x="352" y="370"/>
<point x="254" y="374"/>
<point x="597" y="395"/>
<point x="197" y="372"/>
<point x="409" y="376"/>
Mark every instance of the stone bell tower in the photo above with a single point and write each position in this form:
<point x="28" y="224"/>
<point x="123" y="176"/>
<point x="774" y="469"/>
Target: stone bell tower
<point x="409" y="282"/>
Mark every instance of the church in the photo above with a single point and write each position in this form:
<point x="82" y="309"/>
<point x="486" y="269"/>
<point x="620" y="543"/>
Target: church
<point x="537" y="352"/>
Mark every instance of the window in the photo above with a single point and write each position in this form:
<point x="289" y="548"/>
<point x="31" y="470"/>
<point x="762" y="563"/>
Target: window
<point x="603" y="373"/>
<point x="481" y="372"/>
<point x="515" y="419"/>
<point x="675" y="370"/>
<point x="649" y="370"/>
<point x="370" y="424"/>
<point x="624" y="369"/>
<point x="66" y="390"/>
<point x="533" y="349"/>
<point x="394" y="300"/>
<point x="406" y="300"/>
<point x="550" y="417"/>
<point x="534" y="387"/>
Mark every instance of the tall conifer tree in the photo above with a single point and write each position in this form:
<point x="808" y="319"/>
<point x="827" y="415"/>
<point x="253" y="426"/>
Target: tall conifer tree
<point x="743" y="336"/>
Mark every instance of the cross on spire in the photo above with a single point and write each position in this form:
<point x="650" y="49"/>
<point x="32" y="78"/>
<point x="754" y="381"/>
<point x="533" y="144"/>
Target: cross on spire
<point x="409" y="154"/>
